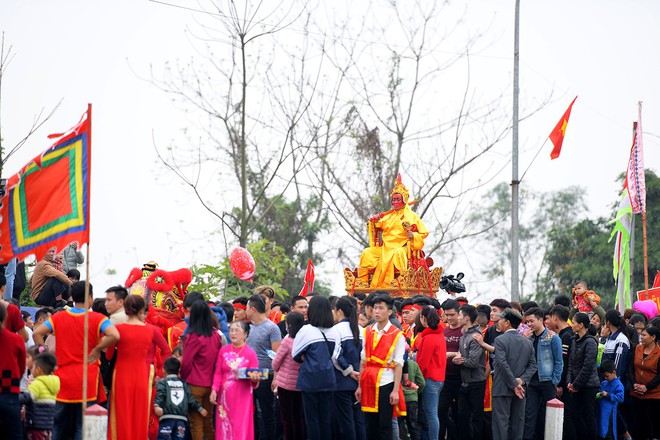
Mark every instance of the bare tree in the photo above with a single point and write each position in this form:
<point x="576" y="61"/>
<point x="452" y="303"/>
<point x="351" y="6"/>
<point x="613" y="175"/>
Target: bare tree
<point x="38" y="120"/>
<point x="387" y="118"/>
<point x="289" y="112"/>
<point x="243" y="141"/>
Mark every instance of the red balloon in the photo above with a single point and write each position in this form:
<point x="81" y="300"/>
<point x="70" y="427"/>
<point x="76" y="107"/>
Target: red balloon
<point x="242" y="264"/>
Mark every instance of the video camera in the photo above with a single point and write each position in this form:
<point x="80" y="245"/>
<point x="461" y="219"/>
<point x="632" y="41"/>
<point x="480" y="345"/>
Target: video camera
<point x="452" y="284"/>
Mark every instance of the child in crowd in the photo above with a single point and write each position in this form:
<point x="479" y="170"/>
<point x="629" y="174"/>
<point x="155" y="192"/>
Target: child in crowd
<point x="173" y="400"/>
<point x="178" y="352"/>
<point x="29" y="327"/>
<point x="584" y="300"/>
<point x="27" y="318"/>
<point x="363" y="321"/>
<point x="30" y="355"/>
<point x="610" y="395"/>
<point x="411" y="395"/>
<point x="39" y="400"/>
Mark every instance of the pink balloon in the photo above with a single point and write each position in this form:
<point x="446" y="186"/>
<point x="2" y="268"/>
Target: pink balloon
<point x="242" y="264"/>
<point x="648" y="307"/>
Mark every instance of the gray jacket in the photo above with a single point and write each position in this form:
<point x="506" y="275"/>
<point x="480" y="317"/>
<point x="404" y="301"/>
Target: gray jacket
<point x="514" y="358"/>
<point x="474" y="365"/>
<point x="72" y="258"/>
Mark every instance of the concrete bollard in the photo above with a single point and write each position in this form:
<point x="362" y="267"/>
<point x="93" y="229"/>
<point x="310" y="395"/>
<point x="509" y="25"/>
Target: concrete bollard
<point x="554" y="419"/>
<point x="96" y="423"/>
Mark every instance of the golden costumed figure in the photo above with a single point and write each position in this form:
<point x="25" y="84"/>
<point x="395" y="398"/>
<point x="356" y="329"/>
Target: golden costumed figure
<point x="396" y="239"/>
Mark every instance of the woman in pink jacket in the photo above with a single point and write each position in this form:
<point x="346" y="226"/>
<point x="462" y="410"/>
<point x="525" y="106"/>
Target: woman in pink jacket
<point x="286" y="375"/>
<point x="200" y="352"/>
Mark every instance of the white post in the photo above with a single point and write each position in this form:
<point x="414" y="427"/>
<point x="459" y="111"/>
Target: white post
<point x="554" y="419"/>
<point x="96" y="423"/>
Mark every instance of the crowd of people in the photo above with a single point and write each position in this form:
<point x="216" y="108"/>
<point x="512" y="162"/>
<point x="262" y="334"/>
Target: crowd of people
<point x="315" y="367"/>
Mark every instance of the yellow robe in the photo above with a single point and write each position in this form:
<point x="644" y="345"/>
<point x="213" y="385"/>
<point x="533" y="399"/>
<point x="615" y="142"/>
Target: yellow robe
<point x="395" y="249"/>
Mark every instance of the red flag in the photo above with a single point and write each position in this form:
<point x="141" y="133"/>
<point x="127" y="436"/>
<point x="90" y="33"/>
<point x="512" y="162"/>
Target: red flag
<point x="308" y="287"/>
<point x="47" y="201"/>
<point x="557" y="135"/>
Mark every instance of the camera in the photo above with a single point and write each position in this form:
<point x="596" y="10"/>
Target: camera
<point x="452" y="284"/>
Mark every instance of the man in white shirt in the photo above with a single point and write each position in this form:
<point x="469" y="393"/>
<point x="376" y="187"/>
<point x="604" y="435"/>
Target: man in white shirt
<point x="380" y="390"/>
<point x="114" y="304"/>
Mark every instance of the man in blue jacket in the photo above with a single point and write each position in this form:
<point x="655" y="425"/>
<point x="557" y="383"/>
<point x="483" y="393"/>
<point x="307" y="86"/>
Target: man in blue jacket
<point x="542" y="385"/>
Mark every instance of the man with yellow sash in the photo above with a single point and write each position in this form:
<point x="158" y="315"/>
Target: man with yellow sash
<point x="380" y="390"/>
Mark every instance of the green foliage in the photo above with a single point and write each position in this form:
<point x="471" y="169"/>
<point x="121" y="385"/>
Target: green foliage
<point x="652" y="232"/>
<point x="26" y="294"/>
<point x="583" y="251"/>
<point x="218" y="281"/>
<point x="540" y="213"/>
<point x="294" y="226"/>
<point x="26" y="297"/>
<point x="578" y="252"/>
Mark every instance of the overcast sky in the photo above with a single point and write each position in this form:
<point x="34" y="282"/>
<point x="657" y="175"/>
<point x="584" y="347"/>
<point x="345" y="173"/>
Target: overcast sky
<point x="605" y="51"/>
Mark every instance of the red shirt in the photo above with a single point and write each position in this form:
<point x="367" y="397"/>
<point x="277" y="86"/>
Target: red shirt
<point x="432" y="354"/>
<point x="68" y="327"/>
<point x="14" y="322"/>
<point x="12" y="362"/>
<point x="200" y="354"/>
<point x="453" y="340"/>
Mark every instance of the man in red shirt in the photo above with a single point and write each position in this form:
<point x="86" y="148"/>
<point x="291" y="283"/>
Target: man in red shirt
<point x="69" y="325"/>
<point x="449" y="394"/>
<point x="14" y="321"/>
<point x="12" y="367"/>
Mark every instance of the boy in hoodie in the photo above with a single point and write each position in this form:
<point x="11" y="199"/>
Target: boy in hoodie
<point x="610" y="395"/>
<point x="411" y="395"/>
<point x="39" y="400"/>
<point x="173" y="399"/>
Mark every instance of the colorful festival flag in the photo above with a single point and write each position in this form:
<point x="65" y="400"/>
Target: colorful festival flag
<point x="621" y="260"/>
<point x="557" y="135"/>
<point x="635" y="180"/>
<point x="309" y="280"/>
<point x="47" y="202"/>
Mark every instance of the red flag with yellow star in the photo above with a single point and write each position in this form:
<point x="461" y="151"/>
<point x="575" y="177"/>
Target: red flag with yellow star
<point x="557" y="135"/>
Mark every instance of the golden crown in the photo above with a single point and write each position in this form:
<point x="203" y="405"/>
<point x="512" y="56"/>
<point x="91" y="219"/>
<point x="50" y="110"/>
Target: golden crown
<point x="399" y="188"/>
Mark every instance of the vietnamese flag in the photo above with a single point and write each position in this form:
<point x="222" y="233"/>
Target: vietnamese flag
<point x="557" y="135"/>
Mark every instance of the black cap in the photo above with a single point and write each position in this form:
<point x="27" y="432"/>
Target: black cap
<point x="512" y="316"/>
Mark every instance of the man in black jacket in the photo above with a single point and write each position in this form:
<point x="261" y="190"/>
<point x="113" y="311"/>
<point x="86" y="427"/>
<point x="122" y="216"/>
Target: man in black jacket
<point x="472" y="359"/>
<point x="582" y="378"/>
<point x="558" y="323"/>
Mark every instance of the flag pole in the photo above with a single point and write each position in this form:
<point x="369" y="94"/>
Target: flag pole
<point x="631" y="294"/>
<point x="87" y="305"/>
<point x="646" y="255"/>
<point x="631" y="247"/>
<point x="646" y="252"/>
<point x="532" y="162"/>
<point x="85" y="341"/>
